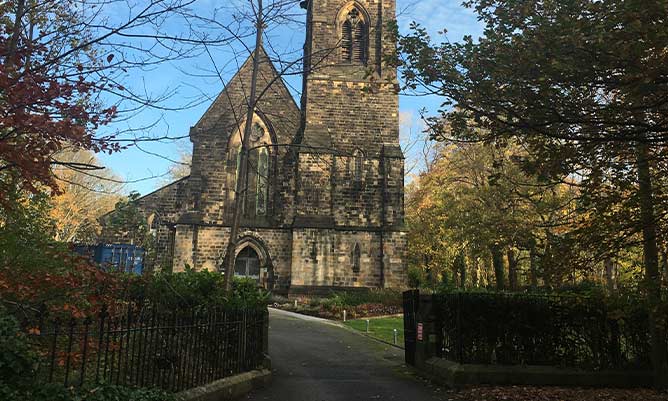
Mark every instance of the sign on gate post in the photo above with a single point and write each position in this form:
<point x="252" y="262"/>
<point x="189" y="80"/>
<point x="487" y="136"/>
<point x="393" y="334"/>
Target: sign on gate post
<point x="419" y="331"/>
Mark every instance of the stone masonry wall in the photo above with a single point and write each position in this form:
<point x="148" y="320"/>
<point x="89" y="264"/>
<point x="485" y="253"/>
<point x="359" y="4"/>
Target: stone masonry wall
<point x="325" y="34"/>
<point x="323" y="257"/>
<point x="162" y="208"/>
<point x="313" y="193"/>
<point x="212" y="241"/>
<point x="353" y="115"/>
<point x="396" y="265"/>
<point x="317" y="211"/>
<point x="349" y="108"/>
<point x="214" y="165"/>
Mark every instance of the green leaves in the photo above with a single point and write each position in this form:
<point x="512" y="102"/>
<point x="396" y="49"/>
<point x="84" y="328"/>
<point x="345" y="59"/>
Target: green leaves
<point x="191" y="288"/>
<point x="575" y="84"/>
<point x="476" y="198"/>
<point x="17" y="361"/>
<point x="17" y="375"/>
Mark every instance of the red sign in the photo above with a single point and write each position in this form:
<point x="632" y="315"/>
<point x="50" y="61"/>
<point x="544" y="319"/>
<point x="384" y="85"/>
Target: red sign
<point x="419" y="332"/>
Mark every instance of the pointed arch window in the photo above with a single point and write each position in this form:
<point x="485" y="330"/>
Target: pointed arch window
<point x="238" y="170"/>
<point x="314" y="251"/>
<point x="354" y="35"/>
<point x="262" y="182"/>
<point x="358" y="166"/>
<point x="356" y="256"/>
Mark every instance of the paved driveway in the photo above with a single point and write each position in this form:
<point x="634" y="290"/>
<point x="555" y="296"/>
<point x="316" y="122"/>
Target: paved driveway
<point x="317" y="361"/>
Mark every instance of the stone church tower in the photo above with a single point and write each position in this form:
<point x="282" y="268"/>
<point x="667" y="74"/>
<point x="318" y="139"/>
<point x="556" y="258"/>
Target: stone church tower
<point x="323" y="207"/>
<point x="349" y="198"/>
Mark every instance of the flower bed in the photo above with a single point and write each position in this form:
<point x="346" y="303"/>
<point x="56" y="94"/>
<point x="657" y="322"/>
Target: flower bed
<point x="357" y="305"/>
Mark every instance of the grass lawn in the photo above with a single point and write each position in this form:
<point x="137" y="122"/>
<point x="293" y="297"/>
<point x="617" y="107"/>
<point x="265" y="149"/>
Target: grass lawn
<point x="381" y="328"/>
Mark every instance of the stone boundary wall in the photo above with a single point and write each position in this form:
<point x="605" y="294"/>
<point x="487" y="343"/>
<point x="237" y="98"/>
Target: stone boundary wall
<point x="229" y="388"/>
<point x="421" y="333"/>
<point x="457" y="375"/>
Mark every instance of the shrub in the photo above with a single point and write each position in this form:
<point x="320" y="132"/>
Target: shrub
<point x="590" y="332"/>
<point x="416" y="277"/>
<point x="373" y="302"/>
<point x="388" y="297"/>
<point x="35" y="269"/>
<point x="278" y="299"/>
<point x="17" y="361"/>
<point x="185" y="289"/>
<point x="79" y="289"/>
<point x="192" y="288"/>
<point x="246" y="293"/>
<point x="18" y="379"/>
<point x="586" y="288"/>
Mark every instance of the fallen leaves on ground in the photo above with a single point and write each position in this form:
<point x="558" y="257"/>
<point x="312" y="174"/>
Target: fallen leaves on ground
<point x="521" y="393"/>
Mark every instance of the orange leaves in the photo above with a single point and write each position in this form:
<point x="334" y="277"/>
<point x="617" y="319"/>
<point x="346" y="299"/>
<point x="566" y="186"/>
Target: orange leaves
<point x="77" y="290"/>
<point x="42" y="111"/>
<point x="75" y="211"/>
<point x="73" y="310"/>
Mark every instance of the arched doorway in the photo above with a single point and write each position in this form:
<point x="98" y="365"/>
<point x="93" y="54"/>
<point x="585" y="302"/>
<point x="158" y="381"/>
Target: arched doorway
<point x="247" y="264"/>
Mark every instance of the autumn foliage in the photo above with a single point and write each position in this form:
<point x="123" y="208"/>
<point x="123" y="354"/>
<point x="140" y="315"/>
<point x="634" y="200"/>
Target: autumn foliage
<point x="79" y="289"/>
<point x="47" y="101"/>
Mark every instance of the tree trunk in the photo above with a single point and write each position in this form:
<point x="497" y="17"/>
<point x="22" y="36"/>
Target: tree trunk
<point x="240" y="190"/>
<point x="512" y="269"/>
<point x="497" y="262"/>
<point x="652" y="283"/>
<point x="474" y="271"/>
<point x="462" y="269"/>
<point x="16" y="32"/>
<point x="609" y="269"/>
<point x="546" y="262"/>
<point x="487" y="268"/>
<point x="532" y="266"/>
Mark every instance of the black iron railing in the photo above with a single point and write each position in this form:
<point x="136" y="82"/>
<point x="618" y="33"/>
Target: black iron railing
<point x="519" y="329"/>
<point x="410" y="304"/>
<point x="150" y="347"/>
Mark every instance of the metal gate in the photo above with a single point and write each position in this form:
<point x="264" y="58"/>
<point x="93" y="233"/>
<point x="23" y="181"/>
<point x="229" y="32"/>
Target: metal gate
<point x="411" y="303"/>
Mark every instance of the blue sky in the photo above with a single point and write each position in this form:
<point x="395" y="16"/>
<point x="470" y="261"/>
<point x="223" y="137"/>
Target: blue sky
<point x="194" y="82"/>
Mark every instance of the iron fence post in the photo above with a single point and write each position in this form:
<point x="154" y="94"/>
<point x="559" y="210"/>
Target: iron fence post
<point x="52" y="366"/>
<point x="265" y="332"/>
<point x="87" y="324"/>
<point x="68" y="357"/>
<point x="460" y="345"/>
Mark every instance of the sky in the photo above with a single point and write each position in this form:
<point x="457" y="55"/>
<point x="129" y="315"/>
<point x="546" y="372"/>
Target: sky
<point x="189" y="86"/>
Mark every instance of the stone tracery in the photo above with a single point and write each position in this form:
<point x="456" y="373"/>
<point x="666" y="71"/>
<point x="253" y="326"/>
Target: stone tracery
<point x="354" y="34"/>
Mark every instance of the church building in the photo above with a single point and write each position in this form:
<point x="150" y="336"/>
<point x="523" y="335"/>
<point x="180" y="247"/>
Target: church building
<point x="324" y="201"/>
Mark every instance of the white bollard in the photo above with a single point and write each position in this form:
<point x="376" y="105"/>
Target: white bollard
<point x="367" y="325"/>
<point x="395" y="336"/>
<point x="295" y="304"/>
<point x="344" y="315"/>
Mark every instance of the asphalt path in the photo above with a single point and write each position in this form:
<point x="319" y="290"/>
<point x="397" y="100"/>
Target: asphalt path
<point x="315" y="360"/>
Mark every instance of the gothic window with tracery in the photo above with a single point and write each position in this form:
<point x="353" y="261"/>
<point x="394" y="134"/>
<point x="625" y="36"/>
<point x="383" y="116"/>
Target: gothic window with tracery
<point x="354" y="37"/>
<point x="257" y="132"/>
<point x="238" y="170"/>
<point x="262" y="182"/>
